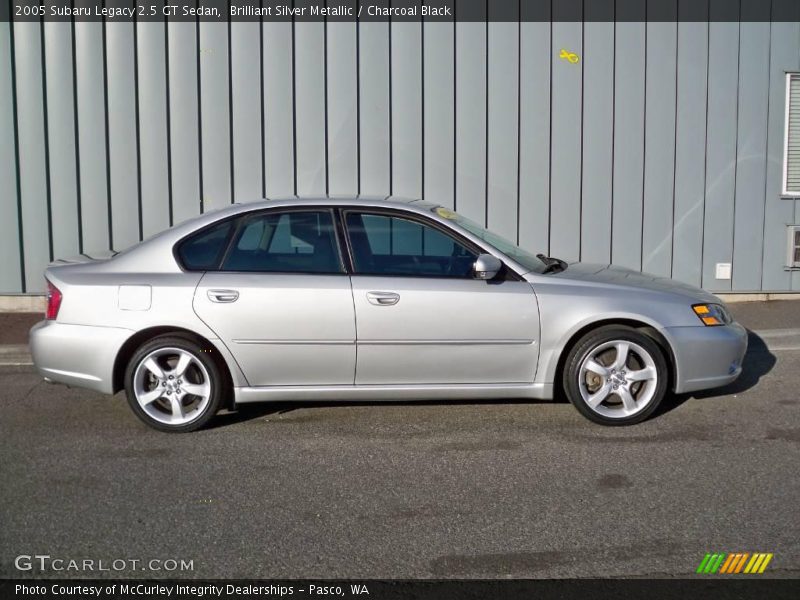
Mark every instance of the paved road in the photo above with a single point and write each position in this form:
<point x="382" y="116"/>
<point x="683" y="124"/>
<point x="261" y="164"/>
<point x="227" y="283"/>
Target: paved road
<point x="407" y="490"/>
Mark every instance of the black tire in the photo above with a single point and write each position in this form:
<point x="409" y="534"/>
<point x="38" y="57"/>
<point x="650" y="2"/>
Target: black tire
<point x="576" y="385"/>
<point x="204" y="355"/>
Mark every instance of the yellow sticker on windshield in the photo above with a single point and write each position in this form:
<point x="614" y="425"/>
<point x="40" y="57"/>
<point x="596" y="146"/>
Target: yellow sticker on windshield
<point x="446" y="213"/>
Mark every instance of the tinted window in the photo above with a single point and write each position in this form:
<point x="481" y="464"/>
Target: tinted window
<point x="203" y="250"/>
<point x="385" y="245"/>
<point x="289" y="242"/>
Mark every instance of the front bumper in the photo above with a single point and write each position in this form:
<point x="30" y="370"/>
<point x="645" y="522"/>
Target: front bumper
<point x="707" y="357"/>
<point x="77" y="355"/>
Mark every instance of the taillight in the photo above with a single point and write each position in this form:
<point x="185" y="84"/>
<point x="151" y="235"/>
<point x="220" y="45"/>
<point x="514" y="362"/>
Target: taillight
<point x="54" y="297"/>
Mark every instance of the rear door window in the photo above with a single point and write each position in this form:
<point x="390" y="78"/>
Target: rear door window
<point x="286" y="242"/>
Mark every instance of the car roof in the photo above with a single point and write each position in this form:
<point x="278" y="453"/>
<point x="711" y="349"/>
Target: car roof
<point x="337" y="200"/>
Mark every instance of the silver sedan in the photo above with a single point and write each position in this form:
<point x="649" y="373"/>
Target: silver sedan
<point x="370" y="299"/>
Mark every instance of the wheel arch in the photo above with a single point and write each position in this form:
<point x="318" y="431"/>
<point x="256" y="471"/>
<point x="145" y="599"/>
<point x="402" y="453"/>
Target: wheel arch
<point x="134" y="342"/>
<point x="647" y="329"/>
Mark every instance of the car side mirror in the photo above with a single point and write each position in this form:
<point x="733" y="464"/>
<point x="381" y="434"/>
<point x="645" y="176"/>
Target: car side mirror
<point x="487" y="266"/>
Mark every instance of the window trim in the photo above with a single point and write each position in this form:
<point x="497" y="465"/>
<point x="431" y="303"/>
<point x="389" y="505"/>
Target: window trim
<point x="791" y="246"/>
<point x="505" y="273"/>
<point x="787" y="102"/>
<point x="244" y="217"/>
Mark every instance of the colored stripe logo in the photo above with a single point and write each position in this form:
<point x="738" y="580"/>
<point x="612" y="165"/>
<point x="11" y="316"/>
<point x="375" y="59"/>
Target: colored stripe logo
<point x="734" y="563"/>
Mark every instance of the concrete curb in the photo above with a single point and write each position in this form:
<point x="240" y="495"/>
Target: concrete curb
<point x="15" y="355"/>
<point x="776" y="340"/>
<point x="23" y="303"/>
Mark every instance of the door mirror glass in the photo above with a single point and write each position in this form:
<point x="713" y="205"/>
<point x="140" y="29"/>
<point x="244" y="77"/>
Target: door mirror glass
<point x="487" y="266"/>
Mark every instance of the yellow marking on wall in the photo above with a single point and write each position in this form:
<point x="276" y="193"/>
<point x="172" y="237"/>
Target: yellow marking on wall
<point x="569" y="56"/>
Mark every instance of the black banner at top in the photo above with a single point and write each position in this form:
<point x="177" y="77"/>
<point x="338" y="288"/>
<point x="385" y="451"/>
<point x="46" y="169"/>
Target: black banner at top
<point x="401" y="10"/>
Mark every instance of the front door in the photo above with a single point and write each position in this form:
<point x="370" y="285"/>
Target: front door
<point x="282" y="301"/>
<point x="422" y="318"/>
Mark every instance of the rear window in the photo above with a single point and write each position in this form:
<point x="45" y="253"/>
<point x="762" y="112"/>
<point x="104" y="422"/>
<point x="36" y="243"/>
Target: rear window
<point x="203" y="250"/>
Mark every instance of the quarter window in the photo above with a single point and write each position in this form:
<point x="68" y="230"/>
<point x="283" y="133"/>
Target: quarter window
<point x="203" y="250"/>
<point x="389" y="245"/>
<point x="288" y="242"/>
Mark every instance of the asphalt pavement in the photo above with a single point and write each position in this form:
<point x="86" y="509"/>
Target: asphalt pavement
<point x="408" y="490"/>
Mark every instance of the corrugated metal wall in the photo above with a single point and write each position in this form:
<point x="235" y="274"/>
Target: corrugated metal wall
<point x="661" y="149"/>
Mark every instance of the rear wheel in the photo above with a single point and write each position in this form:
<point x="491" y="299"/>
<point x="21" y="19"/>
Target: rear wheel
<point x="173" y="384"/>
<point x="616" y="375"/>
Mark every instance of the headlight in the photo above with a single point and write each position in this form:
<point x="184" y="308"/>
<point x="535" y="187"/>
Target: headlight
<point x="712" y="314"/>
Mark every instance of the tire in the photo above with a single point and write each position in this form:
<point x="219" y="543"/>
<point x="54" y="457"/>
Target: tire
<point x="615" y="375"/>
<point x="174" y="384"/>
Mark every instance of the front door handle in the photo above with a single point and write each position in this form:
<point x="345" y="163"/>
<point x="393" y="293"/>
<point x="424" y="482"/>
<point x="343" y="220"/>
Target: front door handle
<point x="383" y="298"/>
<point x="223" y="295"/>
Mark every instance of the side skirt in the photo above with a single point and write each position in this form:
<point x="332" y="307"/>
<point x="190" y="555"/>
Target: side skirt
<point x="368" y="393"/>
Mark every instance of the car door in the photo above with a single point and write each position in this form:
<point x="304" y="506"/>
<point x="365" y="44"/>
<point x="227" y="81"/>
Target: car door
<point x="421" y="316"/>
<point x="281" y="300"/>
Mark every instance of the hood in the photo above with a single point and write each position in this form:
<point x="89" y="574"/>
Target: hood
<point x="616" y="276"/>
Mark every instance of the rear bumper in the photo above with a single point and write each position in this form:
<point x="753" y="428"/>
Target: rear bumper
<point x="77" y="355"/>
<point x="707" y="357"/>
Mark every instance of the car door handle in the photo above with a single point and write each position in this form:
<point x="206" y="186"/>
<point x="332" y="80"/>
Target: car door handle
<point x="223" y="295"/>
<point x="383" y="298"/>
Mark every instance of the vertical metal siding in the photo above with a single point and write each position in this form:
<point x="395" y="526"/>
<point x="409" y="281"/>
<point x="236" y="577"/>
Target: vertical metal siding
<point x="184" y="129"/>
<point x="91" y="115"/>
<point x="121" y="90"/>
<point x="751" y="149"/>
<point x="502" y="128"/>
<point x="10" y="247"/>
<point x="723" y="89"/>
<point x="439" y="105"/>
<point x="629" y="121"/>
<point x="374" y="102"/>
<point x="566" y="146"/>
<point x="598" y="130"/>
<point x="690" y="155"/>
<point x="661" y="148"/>
<point x="406" y="114"/>
<point x="32" y="151"/>
<point x="342" y="113"/>
<point x="470" y="108"/>
<point x="659" y="144"/>
<point x="154" y="154"/>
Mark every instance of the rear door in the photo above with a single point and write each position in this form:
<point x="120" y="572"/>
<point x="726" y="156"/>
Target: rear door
<point x="282" y="302"/>
<point x="422" y="318"/>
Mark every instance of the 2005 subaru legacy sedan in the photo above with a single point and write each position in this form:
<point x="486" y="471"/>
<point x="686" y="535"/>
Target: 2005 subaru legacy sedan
<point x="370" y="299"/>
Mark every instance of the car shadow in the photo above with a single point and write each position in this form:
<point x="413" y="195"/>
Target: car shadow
<point x="257" y="410"/>
<point x="758" y="361"/>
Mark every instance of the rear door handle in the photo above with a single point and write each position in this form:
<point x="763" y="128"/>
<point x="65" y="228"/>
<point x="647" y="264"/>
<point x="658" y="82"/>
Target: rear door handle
<point x="383" y="298"/>
<point x="223" y="295"/>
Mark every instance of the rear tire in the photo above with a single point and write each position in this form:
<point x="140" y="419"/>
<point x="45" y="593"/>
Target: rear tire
<point x="615" y="375"/>
<point x="174" y="384"/>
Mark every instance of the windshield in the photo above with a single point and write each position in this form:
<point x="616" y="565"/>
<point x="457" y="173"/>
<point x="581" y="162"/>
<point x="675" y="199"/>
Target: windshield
<point x="510" y="249"/>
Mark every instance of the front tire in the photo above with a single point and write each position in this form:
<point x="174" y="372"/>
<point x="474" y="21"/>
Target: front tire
<point x="616" y="375"/>
<point x="173" y="384"/>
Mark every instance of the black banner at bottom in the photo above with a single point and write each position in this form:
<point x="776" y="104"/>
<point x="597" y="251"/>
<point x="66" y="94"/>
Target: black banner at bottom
<point x="682" y="589"/>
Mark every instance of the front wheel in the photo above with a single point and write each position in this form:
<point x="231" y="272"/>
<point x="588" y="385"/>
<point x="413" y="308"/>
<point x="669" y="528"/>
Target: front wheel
<point x="173" y="384"/>
<point x="616" y="375"/>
